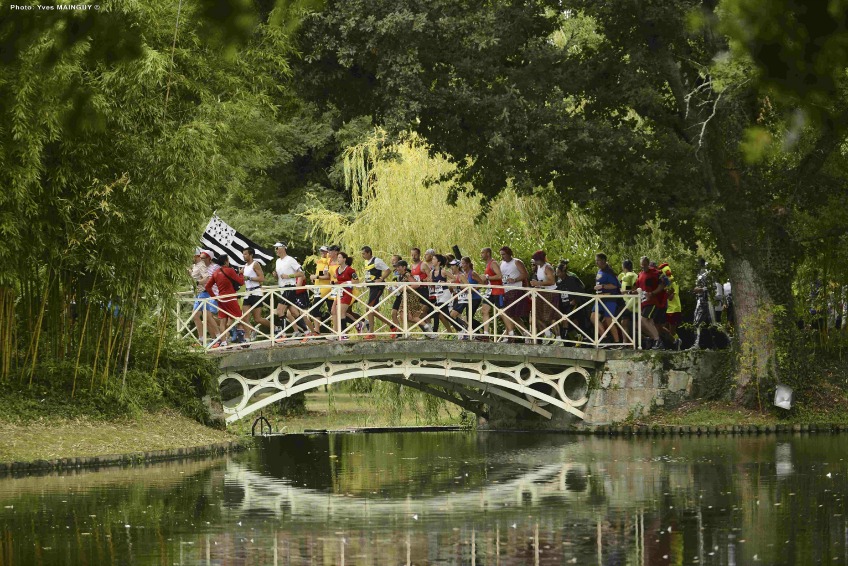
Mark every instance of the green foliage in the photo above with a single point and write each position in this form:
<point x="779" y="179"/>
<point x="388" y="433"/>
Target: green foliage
<point x="800" y="49"/>
<point x="180" y="382"/>
<point x="407" y="172"/>
<point x="631" y="111"/>
<point x="110" y="166"/>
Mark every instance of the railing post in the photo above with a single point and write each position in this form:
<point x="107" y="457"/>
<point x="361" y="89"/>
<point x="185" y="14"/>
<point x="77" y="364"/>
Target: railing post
<point x="403" y="313"/>
<point x="533" y="313"/>
<point x="638" y="319"/>
<point x="272" y="317"/>
<point x="469" y="319"/>
<point x="597" y="306"/>
<point x="205" y="306"/>
<point x="180" y="317"/>
<point x="337" y="317"/>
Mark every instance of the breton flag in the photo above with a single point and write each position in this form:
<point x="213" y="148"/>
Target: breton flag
<point x="222" y="238"/>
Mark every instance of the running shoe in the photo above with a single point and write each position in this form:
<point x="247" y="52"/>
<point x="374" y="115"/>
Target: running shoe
<point x="360" y="326"/>
<point x="344" y="338"/>
<point x="280" y="338"/>
<point x="370" y="336"/>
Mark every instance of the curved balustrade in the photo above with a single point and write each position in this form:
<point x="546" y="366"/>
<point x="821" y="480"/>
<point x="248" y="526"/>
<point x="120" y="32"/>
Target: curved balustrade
<point x="542" y="323"/>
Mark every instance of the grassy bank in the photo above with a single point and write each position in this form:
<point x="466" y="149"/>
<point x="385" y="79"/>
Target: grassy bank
<point x="35" y="431"/>
<point x="65" y="413"/>
<point x="350" y="410"/>
<point x="724" y="413"/>
<point x="56" y="437"/>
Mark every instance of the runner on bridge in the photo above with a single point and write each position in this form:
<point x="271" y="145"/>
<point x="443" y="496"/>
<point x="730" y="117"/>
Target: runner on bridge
<point x="225" y="279"/>
<point x="253" y="279"/>
<point x="376" y="271"/>
<point x="494" y="296"/>
<point x="346" y="276"/>
<point x="286" y="271"/>
<point x="516" y="305"/>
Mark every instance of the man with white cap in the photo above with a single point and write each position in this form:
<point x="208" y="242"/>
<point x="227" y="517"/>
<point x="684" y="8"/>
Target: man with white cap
<point x="286" y="271"/>
<point x="200" y="272"/>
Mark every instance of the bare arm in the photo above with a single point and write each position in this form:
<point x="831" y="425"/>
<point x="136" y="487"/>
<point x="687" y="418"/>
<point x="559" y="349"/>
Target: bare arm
<point x="549" y="278"/>
<point x="496" y="267"/>
<point x="524" y="277"/>
<point x="260" y="275"/>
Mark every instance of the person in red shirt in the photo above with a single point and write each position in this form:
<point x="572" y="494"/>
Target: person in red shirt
<point x="655" y="300"/>
<point x="493" y="298"/>
<point x="345" y="277"/>
<point x="228" y="306"/>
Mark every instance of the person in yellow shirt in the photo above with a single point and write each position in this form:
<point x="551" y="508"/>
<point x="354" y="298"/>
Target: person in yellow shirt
<point x="673" y="315"/>
<point x="628" y="279"/>
<point x="321" y="277"/>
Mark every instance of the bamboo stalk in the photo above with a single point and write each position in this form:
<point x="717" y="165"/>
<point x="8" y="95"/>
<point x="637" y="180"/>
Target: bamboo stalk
<point x="79" y="349"/>
<point x="111" y="338"/>
<point x="14" y="334"/>
<point x="34" y="343"/>
<point x="5" y="343"/>
<point x="159" y="345"/>
<point x="132" y="327"/>
<point x="97" y="352"/>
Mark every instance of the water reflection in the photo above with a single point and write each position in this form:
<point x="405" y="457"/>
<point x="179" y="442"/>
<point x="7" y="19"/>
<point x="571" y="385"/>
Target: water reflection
<point x="448" y="498"/>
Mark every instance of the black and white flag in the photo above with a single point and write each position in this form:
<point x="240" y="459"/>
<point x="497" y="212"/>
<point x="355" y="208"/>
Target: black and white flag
<point x="222" y="238"/>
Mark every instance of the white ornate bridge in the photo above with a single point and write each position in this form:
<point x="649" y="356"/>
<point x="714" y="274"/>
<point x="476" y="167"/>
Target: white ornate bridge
<point x="471" y="361"/>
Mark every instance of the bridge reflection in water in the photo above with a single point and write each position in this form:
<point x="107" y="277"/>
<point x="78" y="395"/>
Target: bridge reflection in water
<point x="448" y="498"/>
<point x="517" y="496"/>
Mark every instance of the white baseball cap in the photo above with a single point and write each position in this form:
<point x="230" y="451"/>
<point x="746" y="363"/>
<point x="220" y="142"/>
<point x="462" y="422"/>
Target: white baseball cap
<point x="280" y="245"/>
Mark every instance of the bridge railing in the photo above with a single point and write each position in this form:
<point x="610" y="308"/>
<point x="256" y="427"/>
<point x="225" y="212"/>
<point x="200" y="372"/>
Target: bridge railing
<point x="410" y="310"/>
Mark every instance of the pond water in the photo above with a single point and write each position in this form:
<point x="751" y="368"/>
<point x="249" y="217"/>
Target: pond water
<point x="448" y="498"/>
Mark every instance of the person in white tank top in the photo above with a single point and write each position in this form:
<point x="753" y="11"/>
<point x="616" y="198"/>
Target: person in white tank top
<point x="515" y="305"/>
<point x="511" y="273"/>
<point x="546" y="304"/>
<point x="253" y="279"/>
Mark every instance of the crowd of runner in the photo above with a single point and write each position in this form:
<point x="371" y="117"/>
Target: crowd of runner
<point x="315" y="303"/>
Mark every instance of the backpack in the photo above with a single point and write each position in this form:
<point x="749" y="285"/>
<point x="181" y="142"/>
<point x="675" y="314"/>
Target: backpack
<point x="236" y="284"/>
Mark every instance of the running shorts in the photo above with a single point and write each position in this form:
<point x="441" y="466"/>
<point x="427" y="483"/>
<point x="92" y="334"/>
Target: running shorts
<point x="655" y="313"/>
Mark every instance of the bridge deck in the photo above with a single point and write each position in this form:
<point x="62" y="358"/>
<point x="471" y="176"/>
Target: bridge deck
<point x="266" y="355"/>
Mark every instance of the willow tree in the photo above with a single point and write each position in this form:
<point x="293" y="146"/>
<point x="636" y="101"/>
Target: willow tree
<point x="400" y="197"/>
<point x="630" y="109"/>
<point x="119" y="132"/>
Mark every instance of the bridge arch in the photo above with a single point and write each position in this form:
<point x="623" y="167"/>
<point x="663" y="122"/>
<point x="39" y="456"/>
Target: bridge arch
<point x="538" y="378"/>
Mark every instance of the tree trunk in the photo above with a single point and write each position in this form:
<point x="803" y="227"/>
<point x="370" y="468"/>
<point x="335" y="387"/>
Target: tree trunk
<point x="757" y="340"/>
